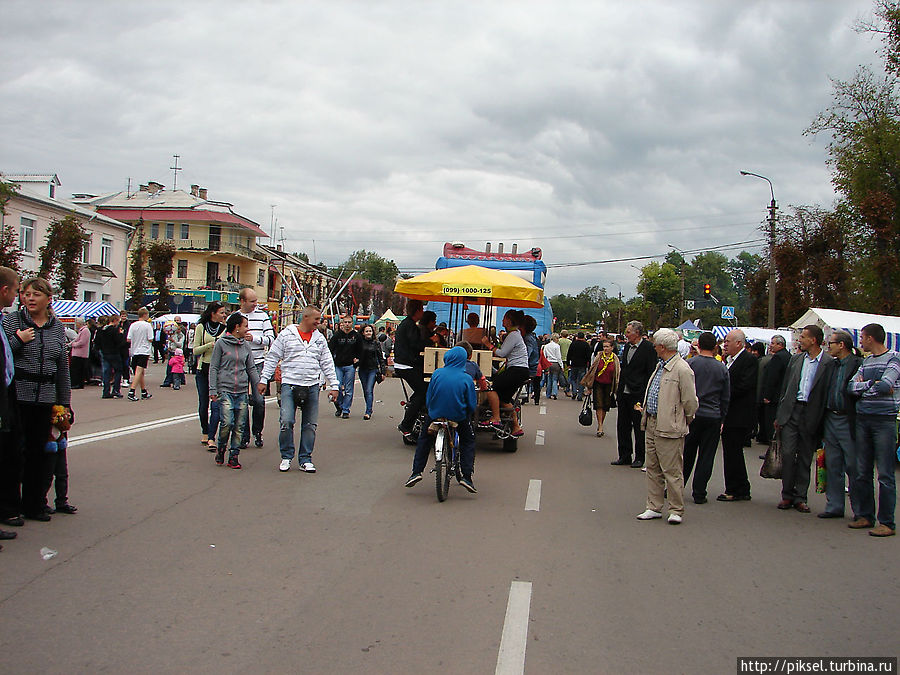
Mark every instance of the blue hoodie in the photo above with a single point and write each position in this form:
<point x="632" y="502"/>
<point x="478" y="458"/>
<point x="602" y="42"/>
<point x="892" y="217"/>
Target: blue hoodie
<point x="451" y="393"/>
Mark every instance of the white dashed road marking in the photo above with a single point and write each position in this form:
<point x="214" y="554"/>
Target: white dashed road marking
<point x="533" y="498"/>
<point x="134" y="428"/>
<point x="511" y="659"/>
<point x="543" y="410"/>
<point x="539" y="437"/>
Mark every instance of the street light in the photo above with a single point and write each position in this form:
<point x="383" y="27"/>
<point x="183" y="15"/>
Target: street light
<point x="772" y="208"/>
<point x="619" y="320"/>
<point x="683" y="254"/>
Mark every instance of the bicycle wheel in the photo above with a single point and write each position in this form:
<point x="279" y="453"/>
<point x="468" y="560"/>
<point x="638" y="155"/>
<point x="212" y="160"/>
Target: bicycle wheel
<point x="441" y="464"/>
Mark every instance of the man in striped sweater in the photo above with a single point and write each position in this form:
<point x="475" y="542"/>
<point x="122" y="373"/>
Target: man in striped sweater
<point x="260" y="335"/>
<point x="877" y="386"/>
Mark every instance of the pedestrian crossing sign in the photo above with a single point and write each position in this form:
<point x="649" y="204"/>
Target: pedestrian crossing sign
<point x="727" y="312"/>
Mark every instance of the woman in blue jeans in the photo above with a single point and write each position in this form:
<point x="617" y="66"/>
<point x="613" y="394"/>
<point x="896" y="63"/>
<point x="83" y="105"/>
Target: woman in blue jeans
<point x="371" y="364"/>
<point x="210" y="328"/>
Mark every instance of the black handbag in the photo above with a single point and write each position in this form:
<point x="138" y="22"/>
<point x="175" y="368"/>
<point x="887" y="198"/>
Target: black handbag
<point x="586" y="416"/>
<point x="612" y="401"/>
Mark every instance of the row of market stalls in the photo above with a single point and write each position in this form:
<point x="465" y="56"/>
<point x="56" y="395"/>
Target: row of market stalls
<point x="829" y="320"/>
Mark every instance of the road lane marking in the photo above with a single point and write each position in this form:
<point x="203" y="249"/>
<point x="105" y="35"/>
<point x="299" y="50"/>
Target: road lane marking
<point x="543" y="410"/>
<point x="533" y="498"/>
<point x="539" y="437"/>
<point x="511" y="658"/>
<point x="134" y="428"/>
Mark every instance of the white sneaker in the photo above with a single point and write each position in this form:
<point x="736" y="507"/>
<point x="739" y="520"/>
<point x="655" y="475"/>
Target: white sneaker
<point x="649" y="515"/>
<point x="308" y="467"/>
<point x="285" y="465"/>
<point x="674" y="519"/>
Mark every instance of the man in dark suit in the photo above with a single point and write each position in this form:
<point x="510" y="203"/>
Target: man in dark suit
<point x="743" y="369"/>
<point x="773" y="380"/>
<point x="800" y="416"/>
<point x="638" y="364"/>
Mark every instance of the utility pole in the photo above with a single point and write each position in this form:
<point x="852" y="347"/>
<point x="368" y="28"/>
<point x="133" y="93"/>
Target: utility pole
<point x="773" y="207"/>
<point x="772" y="218"/>
<point x="682" y="254"/>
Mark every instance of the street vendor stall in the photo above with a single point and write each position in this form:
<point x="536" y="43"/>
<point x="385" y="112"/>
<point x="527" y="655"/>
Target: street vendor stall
<point x="838" y="319"/>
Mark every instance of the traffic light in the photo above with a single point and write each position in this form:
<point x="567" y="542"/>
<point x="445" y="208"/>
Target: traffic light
<point x="707" y="291"/>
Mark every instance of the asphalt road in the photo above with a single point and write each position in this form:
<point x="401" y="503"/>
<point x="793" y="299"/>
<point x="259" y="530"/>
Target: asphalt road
<point x="173" y="564"/>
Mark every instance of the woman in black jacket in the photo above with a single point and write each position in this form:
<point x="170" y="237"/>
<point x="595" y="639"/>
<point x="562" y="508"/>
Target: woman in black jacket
<point x="371" y="364"/>
<point x="38" y="343"/>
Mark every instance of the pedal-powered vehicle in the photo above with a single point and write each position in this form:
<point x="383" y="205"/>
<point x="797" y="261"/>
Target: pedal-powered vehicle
<point x="446" y="455"/>
<point x="464" y="287"/>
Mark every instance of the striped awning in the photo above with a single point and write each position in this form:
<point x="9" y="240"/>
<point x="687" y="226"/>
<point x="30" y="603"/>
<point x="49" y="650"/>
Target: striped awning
<point x="83" y="309"/>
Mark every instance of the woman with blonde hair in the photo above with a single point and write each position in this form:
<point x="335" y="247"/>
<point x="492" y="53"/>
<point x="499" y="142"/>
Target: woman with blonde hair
<point x="603" y="378"/>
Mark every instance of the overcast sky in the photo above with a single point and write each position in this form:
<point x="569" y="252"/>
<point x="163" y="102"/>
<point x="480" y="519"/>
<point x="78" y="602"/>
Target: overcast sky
<point x="593" y="130"/>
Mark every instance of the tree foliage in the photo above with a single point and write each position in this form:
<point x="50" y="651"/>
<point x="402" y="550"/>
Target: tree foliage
<point x="369" y="266"/>
<point x="61" y="255"/>
<point x="160" y="255"/>
<point x="864" y="154"/>
<point x="137" y="270"/>
<point x="10" y="253"/>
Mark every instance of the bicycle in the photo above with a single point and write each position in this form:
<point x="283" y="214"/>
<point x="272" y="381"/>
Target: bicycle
<point x="446" y="455"/>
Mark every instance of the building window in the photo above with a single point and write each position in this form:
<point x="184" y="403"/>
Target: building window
<point x="154" y="231"/>
<point x="182" y="269"/>
<point x="262" y="277"/>
<point x="185" y="231"/>
<point x="105" y="297"/>
<point x="90" y="296"/>
<point x="86" y="252"/>
<point x="170" y="230"/>
<point x="106" y="252"/>
<point x="26" y="235"/>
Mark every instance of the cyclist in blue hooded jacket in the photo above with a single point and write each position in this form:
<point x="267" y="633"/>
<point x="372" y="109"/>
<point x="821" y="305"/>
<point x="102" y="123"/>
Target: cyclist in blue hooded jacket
<point x="451" y="396"/>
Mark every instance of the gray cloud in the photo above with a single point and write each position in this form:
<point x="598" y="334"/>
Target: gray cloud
<point x="394" y="126"/>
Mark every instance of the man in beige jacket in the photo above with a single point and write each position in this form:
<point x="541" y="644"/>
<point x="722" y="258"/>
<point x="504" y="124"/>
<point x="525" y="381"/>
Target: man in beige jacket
<point x="667" y="411"/>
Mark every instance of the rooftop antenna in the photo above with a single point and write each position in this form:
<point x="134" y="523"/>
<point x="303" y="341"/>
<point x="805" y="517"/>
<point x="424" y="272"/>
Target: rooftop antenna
<point x="128" y="189"/>
<point x="281" y="227"/>
<point x="176" y="169"/>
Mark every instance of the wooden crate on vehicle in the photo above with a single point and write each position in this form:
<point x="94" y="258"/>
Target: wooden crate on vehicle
<point x="434" y="358"/>
<point x="483" y="357"/>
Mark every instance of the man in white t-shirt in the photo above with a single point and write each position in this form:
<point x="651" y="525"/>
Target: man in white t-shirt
<point x="140" y="347"/>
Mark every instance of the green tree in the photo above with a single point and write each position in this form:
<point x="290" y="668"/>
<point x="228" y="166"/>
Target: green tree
<point x="660" y="285"/>
<point x="371" y="267"/>
<point x="864" y="153"/>
<point x="61" y="255"/>
<point x="10" y="253"/>
<point x="137" y="270"/>
<point x="160" y="256"/>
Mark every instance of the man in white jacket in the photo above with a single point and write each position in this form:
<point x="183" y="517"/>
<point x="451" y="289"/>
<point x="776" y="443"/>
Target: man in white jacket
<point x="304" y="356"/>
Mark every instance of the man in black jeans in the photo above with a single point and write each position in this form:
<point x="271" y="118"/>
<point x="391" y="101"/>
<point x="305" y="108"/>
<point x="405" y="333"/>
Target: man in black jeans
<point x="713" y="391"/>
<point x="638" y="363"/>
<point x="409" y="365"/>
<point x="578" y="359"/>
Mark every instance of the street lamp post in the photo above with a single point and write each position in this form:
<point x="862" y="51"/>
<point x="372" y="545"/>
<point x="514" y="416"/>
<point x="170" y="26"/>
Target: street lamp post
<point x="772" y="209"/>
<point x="682" y="254"/>
<point x="619" y="320"/>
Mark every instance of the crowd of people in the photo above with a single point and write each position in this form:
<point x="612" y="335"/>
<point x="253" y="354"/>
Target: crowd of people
<point x="676" y="400"/>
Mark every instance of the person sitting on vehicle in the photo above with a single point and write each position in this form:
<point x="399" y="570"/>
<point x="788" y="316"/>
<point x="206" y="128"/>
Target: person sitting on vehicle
<point x="472" y="368"/>
<point x="451" y="396"/>
<point x="516" y="373"/>
<point x="473" y="334"/>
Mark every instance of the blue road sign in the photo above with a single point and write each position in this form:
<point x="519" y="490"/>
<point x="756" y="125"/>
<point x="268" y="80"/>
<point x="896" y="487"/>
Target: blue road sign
<point x="727" y="312"/>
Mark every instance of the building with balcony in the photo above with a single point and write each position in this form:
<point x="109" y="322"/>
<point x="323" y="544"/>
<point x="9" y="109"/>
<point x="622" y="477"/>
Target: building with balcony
<point x="288" y="274"/>
<point x="216" y="250"/>
<point x="104" y="256"/>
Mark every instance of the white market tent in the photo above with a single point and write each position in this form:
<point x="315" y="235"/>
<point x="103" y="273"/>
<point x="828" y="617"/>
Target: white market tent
<point x="755" y="334"/>
<point x="839" y="319"/>
<point x="185" y="318"/>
